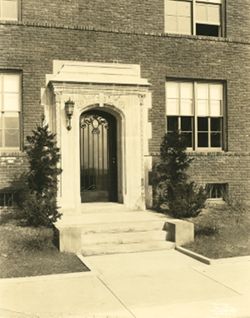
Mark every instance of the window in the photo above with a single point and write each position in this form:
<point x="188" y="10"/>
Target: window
<point x="217" y="190"/>
<point x="196" y="110"/>
<point x="178" y="15"/>
<point x="9" y="10"/>
<point x="6" y="199"/>
<point x="180" y="113"/>
<point x="197" y="17"/>
<point x="10" y="111"/>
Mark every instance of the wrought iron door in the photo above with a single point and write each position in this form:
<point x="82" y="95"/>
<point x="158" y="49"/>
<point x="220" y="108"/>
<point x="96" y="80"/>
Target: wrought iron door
<point x="98" y="157"/>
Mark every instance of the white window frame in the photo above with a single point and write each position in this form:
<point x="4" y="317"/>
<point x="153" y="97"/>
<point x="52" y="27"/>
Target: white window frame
<point x="4" y="148"/>
<point x="193" y="15"/>
<point x="195" y="116"/>
<point x="16" y="18"/>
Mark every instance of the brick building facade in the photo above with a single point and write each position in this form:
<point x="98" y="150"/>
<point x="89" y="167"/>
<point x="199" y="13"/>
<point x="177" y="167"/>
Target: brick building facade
<point x="184" y="63"/>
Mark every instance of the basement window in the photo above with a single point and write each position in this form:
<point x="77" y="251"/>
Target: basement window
<point x="6" y="199"/>
<point x="217" y="190"/>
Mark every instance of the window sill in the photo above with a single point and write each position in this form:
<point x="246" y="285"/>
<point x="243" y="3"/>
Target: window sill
<point x="12" y="153"/>
<point x="215" y="201"/>
<point x="205" y="151"/>
<point x="198" y="37"/>
<point x="210" y="153"/>
<point x="14" y="21"/>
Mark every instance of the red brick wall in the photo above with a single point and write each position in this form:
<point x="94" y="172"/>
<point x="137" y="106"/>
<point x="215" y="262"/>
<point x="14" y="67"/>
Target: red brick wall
<point x="231" y="168"/>
<point x="142" y="16"/>
<point x="237" y="19"/>
<point x="32" y="47"/>
<point x="11" y="165"/>
<point x="130" y="15"/>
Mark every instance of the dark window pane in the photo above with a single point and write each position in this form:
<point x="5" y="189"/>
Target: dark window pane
<point x="9" y="199"/>
<point x="207" y="29"/>
<point x="217" y="190"/>
<point x="216" y="140"/>
<point x="2" y="199"/>
<point x="186" y="124"/>
<point x="215" y="124"/>
<point x="202" y="124"/>
<point x="172" y="123"/>
<point x="6" y="199"/>
<point x="188" y="139"/>
<point x="202" y="139"/>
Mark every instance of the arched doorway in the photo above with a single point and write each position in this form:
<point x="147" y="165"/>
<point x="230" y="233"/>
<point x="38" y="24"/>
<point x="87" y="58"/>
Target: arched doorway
<point x="98" y="156"/>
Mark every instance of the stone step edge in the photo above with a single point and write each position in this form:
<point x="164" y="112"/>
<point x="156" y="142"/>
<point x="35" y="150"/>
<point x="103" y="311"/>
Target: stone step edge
<point x="117" y="231"/>
<point x="142" y="250"/>
<point x="113" y="222"/>
<point x="123" y="238"/>
<point x="154" y="224"/>
<point x="135" y="248"/>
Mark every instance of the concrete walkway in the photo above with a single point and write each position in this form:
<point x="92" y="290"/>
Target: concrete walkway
<point x="151" y="284"/>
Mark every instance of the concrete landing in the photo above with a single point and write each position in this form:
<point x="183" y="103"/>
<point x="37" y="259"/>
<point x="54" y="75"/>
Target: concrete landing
<point x="106" y="213"/>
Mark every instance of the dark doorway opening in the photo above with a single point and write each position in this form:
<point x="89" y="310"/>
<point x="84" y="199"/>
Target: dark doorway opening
<point x="98" y="156"/>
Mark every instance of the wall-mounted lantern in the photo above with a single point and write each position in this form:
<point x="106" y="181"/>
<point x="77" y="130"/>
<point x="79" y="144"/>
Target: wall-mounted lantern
<point x="69" y="110"/>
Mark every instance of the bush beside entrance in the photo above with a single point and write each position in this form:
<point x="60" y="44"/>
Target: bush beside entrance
<point x="174" y="193"/>
<point x="37" y="195"/>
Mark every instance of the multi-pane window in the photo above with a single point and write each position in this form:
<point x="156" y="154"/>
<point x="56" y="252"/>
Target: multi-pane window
<point x="209" y="109"/>
<point x="208" y="18"/>
<point x="10" y="97"/>
<point x="180" y="112"/>
<point x="9" y="10"/>
<point x="196" y="110"/>
<point x="197" y="17"/>
<point x="178" y="16"/>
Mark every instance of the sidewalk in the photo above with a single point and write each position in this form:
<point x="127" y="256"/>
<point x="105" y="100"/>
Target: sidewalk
<point x="151" y="284"/>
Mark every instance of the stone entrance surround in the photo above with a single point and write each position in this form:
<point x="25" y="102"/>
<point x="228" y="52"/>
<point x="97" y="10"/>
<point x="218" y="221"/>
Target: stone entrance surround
<point x="114" y="88"/>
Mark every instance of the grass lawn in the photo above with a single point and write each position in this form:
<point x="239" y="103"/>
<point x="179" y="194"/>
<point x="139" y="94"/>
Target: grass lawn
<point x="222" y="231"/>
<point x="29" y="252"/>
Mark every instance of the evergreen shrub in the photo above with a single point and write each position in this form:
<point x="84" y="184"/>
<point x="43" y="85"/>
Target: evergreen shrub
<point x="175" y="193"/>
<point x="37" y="198"/>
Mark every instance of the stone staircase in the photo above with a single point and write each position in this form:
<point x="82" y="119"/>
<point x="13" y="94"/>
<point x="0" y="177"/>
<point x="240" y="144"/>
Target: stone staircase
<point x="111" y="228"/>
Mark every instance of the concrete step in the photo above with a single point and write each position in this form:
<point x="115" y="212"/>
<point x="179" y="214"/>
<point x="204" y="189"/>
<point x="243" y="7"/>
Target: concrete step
<point x="122" y="237"/>
<point x="118" y="227"/>
<point x="112" y="228"/>
<point x="85" y="219"/>
<point x="104" y="207"/>
<point x="107" y="248"/>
